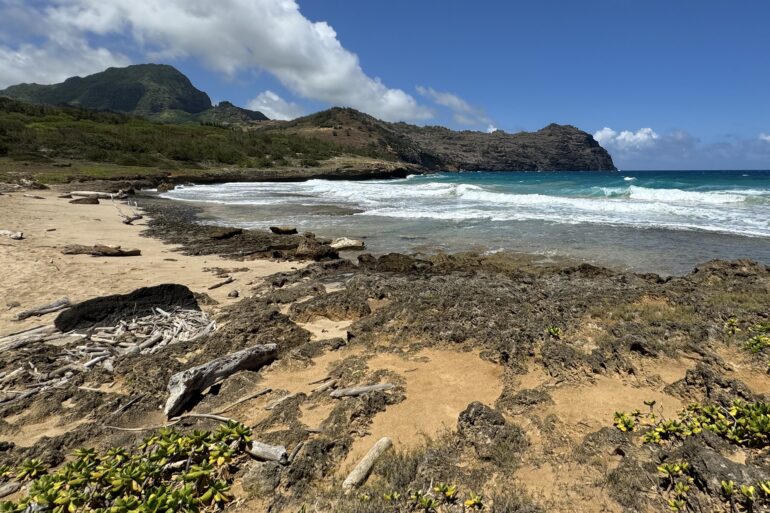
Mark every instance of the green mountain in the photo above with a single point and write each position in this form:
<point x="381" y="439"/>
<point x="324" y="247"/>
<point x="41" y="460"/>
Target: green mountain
<point x="155" y="91"/>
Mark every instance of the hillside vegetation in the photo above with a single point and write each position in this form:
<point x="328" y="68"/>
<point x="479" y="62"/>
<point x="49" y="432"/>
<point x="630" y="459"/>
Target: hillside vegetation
<point x="41" y="133"/>
<point x="155" y="91"/>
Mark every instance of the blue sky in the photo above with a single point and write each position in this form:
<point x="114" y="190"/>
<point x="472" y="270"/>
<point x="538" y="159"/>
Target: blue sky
<point x="661" y="84"/>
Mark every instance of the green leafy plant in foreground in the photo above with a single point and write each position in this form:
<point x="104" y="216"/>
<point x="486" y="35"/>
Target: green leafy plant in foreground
<point x="169" y="472"/>
<point x="745" y="424"/>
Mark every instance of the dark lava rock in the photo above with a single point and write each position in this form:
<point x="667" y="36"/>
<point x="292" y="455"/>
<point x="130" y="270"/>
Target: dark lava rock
<point x="261" y="479"/>
<point x="488" y="433"/>
<point x="338" y="306"/>
<point x="559" y="357"/>
<point x="523" y="398"/>
<point x="608" y="440"/>
<point x="630" y="483"/>
<point x="108" y="310"/>
<point x="283" y="230"/>
<point x="85" y="201"/>
<point x="311" y="249"/>
<point x="225" y="233"/>
<point x="703" y="382"/>
<point x="165" y="187"/>
<point x="393" y="262"/>
<point x="233" y="294"/>
<point x="709" y="468"/>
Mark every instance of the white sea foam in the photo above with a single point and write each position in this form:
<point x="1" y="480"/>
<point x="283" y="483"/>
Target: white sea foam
<point x="731" y="210"/>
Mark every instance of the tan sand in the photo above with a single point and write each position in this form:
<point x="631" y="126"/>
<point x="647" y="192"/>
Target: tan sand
<point x="33" y="271"/>
<point x="439" y="385"/>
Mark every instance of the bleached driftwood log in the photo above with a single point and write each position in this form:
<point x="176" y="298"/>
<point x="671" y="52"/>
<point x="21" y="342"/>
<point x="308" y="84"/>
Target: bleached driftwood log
<point x="324" y="387"/>
<point x="274" y="404"/>
<point x="229" y="279"/>
<point x="9" y="488"/>
<point x="130" y="219"/>
<point x="183" y="384"/>
<point x="355" y="391"/>
<point x="26" y="337"/>
<point x="59" y="304"/>
<point x="99" y="250"/>
<point x="12" y="235"/>
<point x="265" y="452"/>
<point x="99" y="195"/>
<point x="361" y="471"/>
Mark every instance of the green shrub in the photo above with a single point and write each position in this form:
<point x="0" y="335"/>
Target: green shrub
<point x="169" y="472"/>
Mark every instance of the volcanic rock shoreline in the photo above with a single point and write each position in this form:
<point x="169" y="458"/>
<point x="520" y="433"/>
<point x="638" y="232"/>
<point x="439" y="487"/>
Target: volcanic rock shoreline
<point x="562" y="348"/>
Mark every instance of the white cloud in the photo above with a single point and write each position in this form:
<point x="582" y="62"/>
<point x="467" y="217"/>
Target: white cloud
<point x="275" y="107"/>
<point x="234" y="36"/>
<point x="491" y="128"/>
<point x="648" y="149"/>
<point x="463" y="112"/>
<point x="52" y="63"/>
<point x="626" y="140"/>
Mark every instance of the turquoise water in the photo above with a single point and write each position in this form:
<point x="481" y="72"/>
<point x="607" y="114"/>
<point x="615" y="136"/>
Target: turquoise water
<point x="664" y="222"/>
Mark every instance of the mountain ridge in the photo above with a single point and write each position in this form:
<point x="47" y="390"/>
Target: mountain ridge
<point x="552" y="148"/>
<point x="158" y="92"/>
<point x="162" y="93"/>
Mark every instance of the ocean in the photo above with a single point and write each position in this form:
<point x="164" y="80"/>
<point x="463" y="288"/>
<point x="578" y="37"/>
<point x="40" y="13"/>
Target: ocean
<point x="665" y="221"/>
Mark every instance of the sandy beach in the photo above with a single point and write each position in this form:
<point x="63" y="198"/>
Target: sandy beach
<point x="33" y="271"/>
<point x="496" y="366"/>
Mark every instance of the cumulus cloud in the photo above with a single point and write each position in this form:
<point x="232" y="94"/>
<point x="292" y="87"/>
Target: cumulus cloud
<point x="647" y="149"/>
<point x="463" y="112"/>
<point x="626" y="140"/>
<point x="764" y="137"/>
<point x="52" y="63"/>
<point x="491" y="128"/>
<point x="275" y="107"/>
<point x="229" y="36"/>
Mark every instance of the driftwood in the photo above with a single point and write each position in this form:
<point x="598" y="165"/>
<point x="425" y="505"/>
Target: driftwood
<point x="244" y="399"/>
<point x="33" y="196"/>
<point x="265" y="452"/>
<point x="356" y="391"/>
<point x="361" y="471"/>
<point x="131" y="219"/>
<point x="85" y="201"/>
<point x="324" y="387"/>
<point x="230" y="279"/>
<point x="175" y="420"/>
<point x="184" y="384"/>
<point x="127" y="218"/>
<point x="280" y="400"/>
<point x="59" y="304"/>
<point x="9" y="488"/>
<point x="99" y="250"/>
<point x="98" y="195"/>
<point x="26" y="337"/>
<point x="12" y="235"/>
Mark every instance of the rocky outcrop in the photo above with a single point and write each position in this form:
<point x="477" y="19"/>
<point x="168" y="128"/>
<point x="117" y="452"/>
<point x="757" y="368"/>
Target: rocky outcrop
<point x="486" y="430"/>
<point x="553" y="148"/>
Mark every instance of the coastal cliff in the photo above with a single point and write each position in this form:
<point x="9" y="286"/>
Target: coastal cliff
<point x="553" y="148"/>
<point x="152" y="117"/>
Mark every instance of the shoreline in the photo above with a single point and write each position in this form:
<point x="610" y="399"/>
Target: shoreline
<point x="499" y="364"/>
<point x="34" y="271"/>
